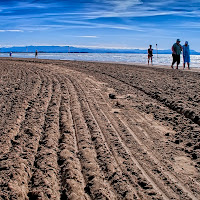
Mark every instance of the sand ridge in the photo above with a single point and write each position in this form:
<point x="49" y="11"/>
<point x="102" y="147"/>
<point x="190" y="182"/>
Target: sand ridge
<point x="63" y="137"/>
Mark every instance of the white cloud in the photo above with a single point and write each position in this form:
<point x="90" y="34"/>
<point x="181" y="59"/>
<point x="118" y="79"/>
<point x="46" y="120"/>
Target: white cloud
<point x="88" y="36"/>
<point x="119" y="5"/>
<point x="11" y="31"/>
<point x="76" y="24"/>
<point x="102" y="46"/>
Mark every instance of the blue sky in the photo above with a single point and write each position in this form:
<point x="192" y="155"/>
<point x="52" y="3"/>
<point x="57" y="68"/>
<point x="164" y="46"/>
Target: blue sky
<point x="100" y="23"/>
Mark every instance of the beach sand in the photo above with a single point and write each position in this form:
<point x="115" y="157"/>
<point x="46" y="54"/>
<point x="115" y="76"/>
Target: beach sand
<point x="88" y="130"/>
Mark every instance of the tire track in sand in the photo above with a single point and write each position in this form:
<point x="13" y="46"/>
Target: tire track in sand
<point x="129" y="156"/>
<point x="175" y="181"/>
<point x="96" y="186"/>
<point x="106" y="158"/>
<point x="72" y="180"/>
<point x="115" y="139"/>
<point x="150" y="175"/>
<point x="190" y="114"/>
<point x="179" y="186"/>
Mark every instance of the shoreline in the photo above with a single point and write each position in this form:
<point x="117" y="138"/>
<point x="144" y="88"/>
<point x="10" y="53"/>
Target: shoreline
<point x="192" y="69"/>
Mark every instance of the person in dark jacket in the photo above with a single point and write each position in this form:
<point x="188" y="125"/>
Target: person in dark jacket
<point x="150" y="54"/>
<point x="36" y="54"/>
<point x="176" y="52"/>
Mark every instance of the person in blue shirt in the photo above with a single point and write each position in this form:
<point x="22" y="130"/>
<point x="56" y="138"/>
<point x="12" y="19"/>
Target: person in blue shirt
<point x="186" y="55"/>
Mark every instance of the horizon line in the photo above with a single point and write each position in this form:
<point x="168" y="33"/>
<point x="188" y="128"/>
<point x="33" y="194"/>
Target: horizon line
<point x="78" y="46"/>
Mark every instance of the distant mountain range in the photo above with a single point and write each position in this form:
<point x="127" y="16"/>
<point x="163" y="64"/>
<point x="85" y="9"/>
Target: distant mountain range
<point x="71" y="49"/>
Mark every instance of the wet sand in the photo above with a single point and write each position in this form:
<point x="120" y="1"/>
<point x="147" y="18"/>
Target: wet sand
<point x="89" y="130"/>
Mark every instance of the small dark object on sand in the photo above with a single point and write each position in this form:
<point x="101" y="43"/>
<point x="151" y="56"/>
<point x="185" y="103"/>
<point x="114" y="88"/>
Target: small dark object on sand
<point x="112" y="96"/>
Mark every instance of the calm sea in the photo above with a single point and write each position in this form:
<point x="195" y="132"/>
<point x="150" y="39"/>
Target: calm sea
<point x="161" y="59"/>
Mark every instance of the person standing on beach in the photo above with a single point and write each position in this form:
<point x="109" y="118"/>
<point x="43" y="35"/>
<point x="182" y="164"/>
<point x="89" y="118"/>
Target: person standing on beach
<point x="36" y="54"/>
<point x="176" y="52"/>
<point x="186" y="55"/>
<point x="150" y="54"/>
<point x="11" y="54"/>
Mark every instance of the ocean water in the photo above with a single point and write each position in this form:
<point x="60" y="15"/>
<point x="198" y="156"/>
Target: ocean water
<point x="160" y="59"/>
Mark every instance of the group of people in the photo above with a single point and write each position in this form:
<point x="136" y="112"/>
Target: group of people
<point x="176" y="52"/>
<point x="177" y="48"/>
<point x="36" y="54"/>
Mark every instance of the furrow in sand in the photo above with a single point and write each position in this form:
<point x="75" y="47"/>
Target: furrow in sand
<point x="63" y="138"/>
<point x="129" y="156"/>
<point x="164" y="177"/>
<point x="72" y="180"/>
<point x="105" y="156"/>
<point x="159" y="165"/>
<point x="190" y="114"/>
<point x="14" y="108"/>
<point x="96" y="185"/>
<point x="115" y="144"/>
<point x="144" y="130"/>
<point x="44" y="183"/>
<point x="175" y="185"/>
<point x="17" y="164"/>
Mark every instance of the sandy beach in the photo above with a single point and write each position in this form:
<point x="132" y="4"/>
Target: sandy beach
<point x="87" y="130"/>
